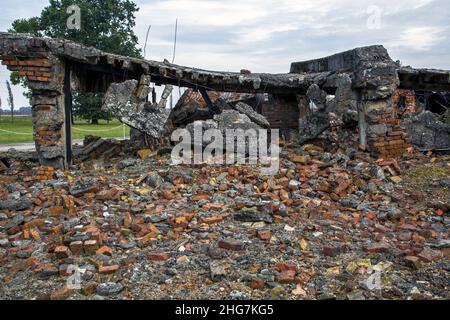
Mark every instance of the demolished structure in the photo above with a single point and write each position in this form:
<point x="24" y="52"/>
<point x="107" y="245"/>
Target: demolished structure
<point x="390" y="103"/>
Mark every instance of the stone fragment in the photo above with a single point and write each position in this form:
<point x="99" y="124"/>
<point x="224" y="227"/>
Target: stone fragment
<point x="109" y="289"/>
<point x="430" y="255"/>
<point x="253" y="115"/>
<point x="90" y="247"/>
<point x="16" y="205"/>
<point x="76" y="247"/>
<point x="144" y="153"/>
<point x="217" y="270"/>
<point x="287" y="276"/>
<point x="413" y="262"/>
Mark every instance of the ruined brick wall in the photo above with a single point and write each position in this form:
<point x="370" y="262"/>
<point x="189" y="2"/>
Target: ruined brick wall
<point x="281" y="112"/>
<point x="31" y="61"/>
<point x="410" y="99"/>
<point x="44" y="72"/>
<point x="386" y="137"/>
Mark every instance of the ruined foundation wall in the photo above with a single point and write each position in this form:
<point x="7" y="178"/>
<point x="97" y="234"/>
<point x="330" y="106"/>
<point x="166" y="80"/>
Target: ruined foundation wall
<point x="281" y="112"/>
<point x="45" y="76"/>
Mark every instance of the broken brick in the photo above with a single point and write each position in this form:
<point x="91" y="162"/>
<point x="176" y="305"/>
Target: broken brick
<point x="108" y="269"/>
<point x="90" y="247"/>
<point x="429" y="255"/>
<point x="76" y="248"/>
<point x="61" y="252"/>
<point x="378" y="248"/>
<point x="105" y="251"/>
<point x="282" y="266"/>
<point x="231" y="244"/>
<point x="61" y="294"/>
<point x="257" y="284"/>
<point x="158" y="256"/>
<point x="287" y="276"/>
<point x="264" y="234"/>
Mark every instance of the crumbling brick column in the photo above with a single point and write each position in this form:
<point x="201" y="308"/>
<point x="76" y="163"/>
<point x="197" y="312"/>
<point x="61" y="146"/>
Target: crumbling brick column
<point x="376" y="80"/>
<point x="48" y="127"/>
<point x="386" y="137"/>
<point x="44" y="72"/>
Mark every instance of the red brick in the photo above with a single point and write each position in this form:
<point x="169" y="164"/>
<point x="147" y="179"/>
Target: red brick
<point x="76" y="247"/>
<point x="257" y="284"/>
<point x="282" y="266"/>
<point x="231" y="244"/>
<point x="264" y="234"/>
<point x="396" y="133"/>
<point x="287" y="276"/>
<point x="108" y="269"/>
<point x="56" y="210"/>
<point x="377" y="248"/>
<point x="90" y="246"/>
<point x="343" y="186"/>
<point x="429" y="255"/>
<point x="61" y="252"/>
<point x="211" y="220"/>
<point x="333" y="251"/>
<point x="396" y="142"/>
<point x="159" y="256"/>
<point x="105" y="251"/>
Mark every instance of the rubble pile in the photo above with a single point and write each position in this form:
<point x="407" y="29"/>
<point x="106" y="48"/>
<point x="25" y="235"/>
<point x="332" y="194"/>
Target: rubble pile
<point x="334" y="223"/>
<point x="427" y="131"/>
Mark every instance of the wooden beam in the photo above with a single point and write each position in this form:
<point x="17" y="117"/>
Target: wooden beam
<point x="208" y="101"/>
<point x="68" y="114"/>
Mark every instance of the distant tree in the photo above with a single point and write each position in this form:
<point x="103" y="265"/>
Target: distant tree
<point x="105" y="24"/>
<point x="85" y="106"/>
<point x="10" y="99"/>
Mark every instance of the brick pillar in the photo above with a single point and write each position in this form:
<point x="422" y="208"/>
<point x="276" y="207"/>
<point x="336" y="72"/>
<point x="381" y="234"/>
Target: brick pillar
<point x="48" y="127"/>
<point x="31" y="58"/>
<point x="385" y="136"/>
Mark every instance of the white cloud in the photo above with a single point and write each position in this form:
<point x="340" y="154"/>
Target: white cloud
<point x="267" y="35"/>
<point x="203" y="12"/>
<point x="418" y="38"/>
<point x="262" y="33"/>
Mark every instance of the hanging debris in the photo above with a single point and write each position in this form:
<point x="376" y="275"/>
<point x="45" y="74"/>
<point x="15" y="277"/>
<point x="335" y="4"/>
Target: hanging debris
<point x="128" y="102"/>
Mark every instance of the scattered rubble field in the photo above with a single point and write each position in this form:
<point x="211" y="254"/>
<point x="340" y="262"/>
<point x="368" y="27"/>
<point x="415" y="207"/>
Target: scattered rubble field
<point x="331" y="225"/>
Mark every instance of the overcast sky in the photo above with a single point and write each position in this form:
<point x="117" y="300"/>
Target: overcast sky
<point x="267" y="35"/>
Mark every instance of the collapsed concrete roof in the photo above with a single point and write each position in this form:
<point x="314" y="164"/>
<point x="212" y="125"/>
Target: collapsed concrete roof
<point x="88" y="60"/>
<point x="85" y="59"/>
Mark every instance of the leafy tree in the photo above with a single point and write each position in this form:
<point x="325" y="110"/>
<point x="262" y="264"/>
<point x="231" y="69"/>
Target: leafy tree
<point x="10" y="100"/>
<point x="105" y="24"/>
<point x="31" y="26"/>
<point x="86" y="106"/>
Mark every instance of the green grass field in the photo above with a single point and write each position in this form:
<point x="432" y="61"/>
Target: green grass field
<point x="23" y="131"/>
